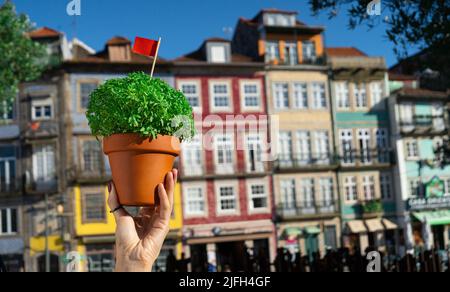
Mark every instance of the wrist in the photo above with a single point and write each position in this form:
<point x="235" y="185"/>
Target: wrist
<point x="126" y="265"/>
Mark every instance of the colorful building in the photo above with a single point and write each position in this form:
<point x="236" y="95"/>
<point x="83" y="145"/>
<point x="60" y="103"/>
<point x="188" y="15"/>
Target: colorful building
<point x="296" y="76"/>
<point x="361" y="131"/>
<point x="226" y="186"/>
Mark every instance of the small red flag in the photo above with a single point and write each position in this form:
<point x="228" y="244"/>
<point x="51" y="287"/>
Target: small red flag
<point x="145" y="47"/>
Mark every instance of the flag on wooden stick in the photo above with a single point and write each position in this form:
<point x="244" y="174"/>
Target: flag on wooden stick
<point x="149" y="48"/>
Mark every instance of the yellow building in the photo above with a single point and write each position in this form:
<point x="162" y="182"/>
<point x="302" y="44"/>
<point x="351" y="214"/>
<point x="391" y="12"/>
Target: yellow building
<point x="94" y="228"/>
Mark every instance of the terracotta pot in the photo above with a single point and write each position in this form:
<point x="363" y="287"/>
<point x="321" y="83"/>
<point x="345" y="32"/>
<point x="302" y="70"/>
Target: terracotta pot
<point x="138" y="165"/>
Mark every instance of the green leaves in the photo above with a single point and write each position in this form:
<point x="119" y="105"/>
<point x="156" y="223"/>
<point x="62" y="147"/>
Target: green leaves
<point x="21" y="59"/>
<point x="139" y="104"/>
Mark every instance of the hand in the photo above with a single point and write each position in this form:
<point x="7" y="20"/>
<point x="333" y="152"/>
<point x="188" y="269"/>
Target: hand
<point x="139" y="240"/>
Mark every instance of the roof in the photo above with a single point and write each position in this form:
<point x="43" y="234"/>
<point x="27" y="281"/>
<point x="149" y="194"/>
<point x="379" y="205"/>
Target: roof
<point x="44" y="32"/>
<point x="401" y="77"/>
<point x="420" y="92"/>
<point x="217" y="39"/>
<point x="279" y="11"/>
<point x="118" y="40"/>
<point x="344" y="52"/>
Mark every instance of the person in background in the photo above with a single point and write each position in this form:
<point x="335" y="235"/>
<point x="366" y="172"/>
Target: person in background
<point x="171" y="262"/>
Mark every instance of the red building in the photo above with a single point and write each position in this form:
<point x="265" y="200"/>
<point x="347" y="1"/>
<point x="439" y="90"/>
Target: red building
<point x="226" y="185"/>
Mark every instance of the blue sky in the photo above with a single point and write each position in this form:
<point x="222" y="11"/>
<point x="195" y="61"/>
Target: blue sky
<point x="184" y="24"/>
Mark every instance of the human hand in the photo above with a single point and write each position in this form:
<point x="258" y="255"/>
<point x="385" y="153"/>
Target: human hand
<point x="139" y="240"/>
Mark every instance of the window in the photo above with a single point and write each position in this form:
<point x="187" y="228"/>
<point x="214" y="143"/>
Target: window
<point x="360" y="95"/>
<point x="254" y="153"/>
<point x="376" y="91"/>
<point x="251" y="94"/>
<point x="6" y="111"/>
<point x="191" y="91"/>
<point x="291" y="53"/>
<point x="330" y="237"/>
<point x="309" y="52"/>
<point x="8" y="221"/>
<point x="350" y="188"/>
<point x="382" y="145"/>
<point x="94" y="208"/>
<point x="272" y="51"/>
<point x="447" y="186"/>
<point x="322" y="147"/>
<point x="437" y="111"/>
<point x="319" y="96"/>
<point x="44" y="163"/>
<point x="41" y="112"/>
<point x="227" y="200"/>
<point x="326" y="192"/>
<point x="288" y="194"/>
<point x="281" y="95"/>
<point x="86" y="89"/>
<point x="386" y="186"/>
<point x="192" y="157"/>
<point x="342" y="95"/>
<point x="369" y="187"/>
<point x="412" y="149"/>
<point x="7" y="168"/>
<point x="406" y="116"/>
<point x="415" y="189"/>
<point x="258" y="197"/>
<point x="346" y="139"/>
<point x="285" y="147"/>
<point x="195" y="201"/>
<point x="364" y="145"/>
<point x="221" y="96"/>
<point x="91" y="156"/>
<point x="218" y="54"/>
<point x="307" y="189"/>
<point x="304" y="147"/>
<point x="301" y="95"/>
<point x="224" y="153"/>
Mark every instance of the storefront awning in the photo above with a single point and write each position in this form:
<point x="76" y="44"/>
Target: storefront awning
<point x="356" y="226"/>
<point x="11" y="246"/>
<point x="435" y="217"/>
<point x="312" y="230"/>
<point x="374" y="225"/>
<point x="389" y="225"/>
<point x="292" y="232"/>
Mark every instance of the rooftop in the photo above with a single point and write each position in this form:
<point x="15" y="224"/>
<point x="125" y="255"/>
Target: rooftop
<point x="44" y="32"/>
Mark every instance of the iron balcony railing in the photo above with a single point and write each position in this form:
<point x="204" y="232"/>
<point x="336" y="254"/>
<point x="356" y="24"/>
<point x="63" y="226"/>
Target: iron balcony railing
<point x="300" y="161"/>
<point x="303" y="209"/>
<point x="366" y="157"/>
<point x="428" y="123"/>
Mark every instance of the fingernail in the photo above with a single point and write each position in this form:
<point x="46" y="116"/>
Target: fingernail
<point x="109" y="187"/>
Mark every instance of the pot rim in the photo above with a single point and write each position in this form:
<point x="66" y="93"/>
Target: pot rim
<point x="134" y="142"/>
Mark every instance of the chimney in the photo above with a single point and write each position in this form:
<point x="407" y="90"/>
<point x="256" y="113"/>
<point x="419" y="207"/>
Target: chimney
<point x="119" y="49"/>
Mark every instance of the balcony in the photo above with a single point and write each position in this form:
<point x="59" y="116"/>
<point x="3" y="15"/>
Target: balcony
<point x="40" y="129"/>
<point x="305" y="210"/>
<point x="372" y="209"/>
<point x="367" y="158"/>
<point x="424" y="125"/>
<point x="12" y="187"/>
<point x="292" y="62"/>
<point x="324" y="161"/>
<point x="80" y="175"/>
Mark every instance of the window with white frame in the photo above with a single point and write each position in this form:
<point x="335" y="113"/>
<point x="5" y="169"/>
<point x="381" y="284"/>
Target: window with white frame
<point x="7" y="168"/>
<point x="227" y="199"/>
<point x="94" y="207"/>
<point x="192" y="156"/>
<point x="309" y="51"/>
<point x="281" y="95"/>
<point x="386" y="186"/>
<point x="218" y="54"/>
<point x="360" y="95"/>
<point x="86" y="88"/>
<point x="221" y="96"/>
<point x="6" y="111"/>
<point x="291" y="53"/>
<point x="224" y="153"/>
<point x="319" y="95"/>
<point x="412" y="149"/>
<point x="437" y="111"/>
<point x="8" y="221"/>
<point x="42" y="109"/>
<point x="301" y="95"/>
<point x="342" y="95"/>
<point x="285" y="147"/>
<point x="304" y="155"/>
<point x="406" y="115"/>
<point x="194" y="201"/>
<point x="376" y="92"/>
<point x="322" y="147"/>
<point x="44" y="162"/>
<point x="326" y="192"/>
<point x="382" y="145"/>
<point x="364" y="142"/>
<point x="307" y="191"/>
<point x="92" y="155"/>
<point x="288" y="194"/>
<point x="272" y="51"/>
<point x="192" y="93"/>
<point x="258" y="197"/>
<point x="254" y="153"/>
<point x="346" y="141"/>
<point x="368" y="182"/>
<point x="351" y="188"/>
<point x="251" y="93"/>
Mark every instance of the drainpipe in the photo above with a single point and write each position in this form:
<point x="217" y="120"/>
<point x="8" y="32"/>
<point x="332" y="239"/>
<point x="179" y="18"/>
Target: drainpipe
<point x="47" y="251"/>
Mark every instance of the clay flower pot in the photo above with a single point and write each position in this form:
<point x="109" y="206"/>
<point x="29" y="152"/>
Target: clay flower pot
<point x="139" y="164"/>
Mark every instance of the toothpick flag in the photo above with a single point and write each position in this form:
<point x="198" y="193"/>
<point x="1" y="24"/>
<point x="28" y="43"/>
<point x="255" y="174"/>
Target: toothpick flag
<point x="149" y="48"/>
